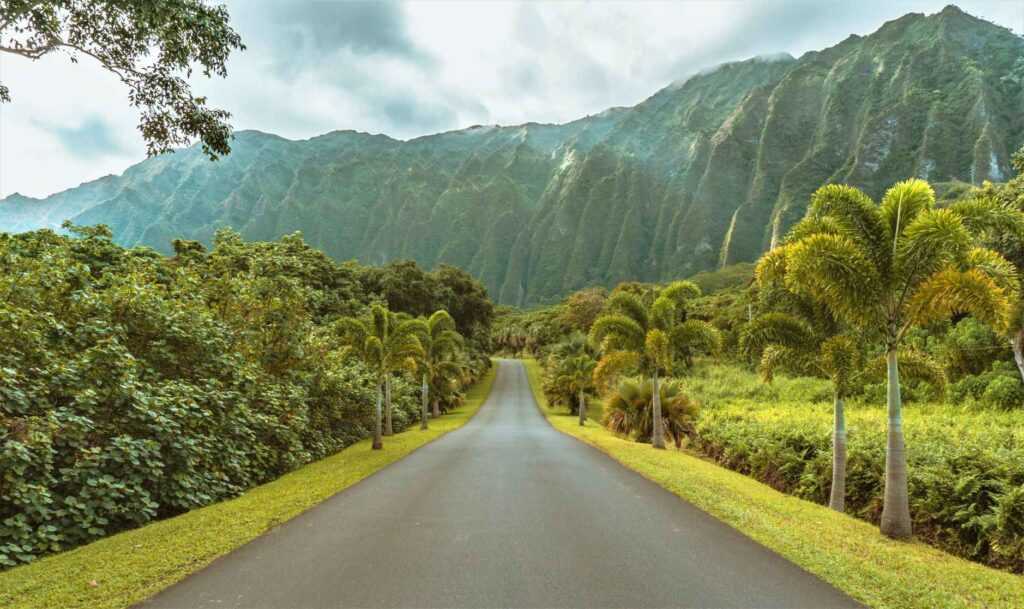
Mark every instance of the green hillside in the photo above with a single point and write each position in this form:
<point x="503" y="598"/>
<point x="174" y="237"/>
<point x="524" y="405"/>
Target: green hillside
<point x="704" y="173"/>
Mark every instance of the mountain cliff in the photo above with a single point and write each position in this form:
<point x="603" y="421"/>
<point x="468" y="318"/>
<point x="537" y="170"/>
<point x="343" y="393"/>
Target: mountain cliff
<point x="706" y="172"/>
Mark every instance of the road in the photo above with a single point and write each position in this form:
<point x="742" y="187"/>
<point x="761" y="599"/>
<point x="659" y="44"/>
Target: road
<point x="504" y="512"/>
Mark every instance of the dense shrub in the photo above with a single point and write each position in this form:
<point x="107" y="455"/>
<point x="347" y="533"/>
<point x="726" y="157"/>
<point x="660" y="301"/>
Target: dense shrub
<point x="966" y="466"/>
<point x="135" y="387"/>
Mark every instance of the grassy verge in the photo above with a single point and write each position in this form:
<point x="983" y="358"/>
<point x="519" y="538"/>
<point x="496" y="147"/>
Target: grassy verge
<point x="124" y="569"/>
<point x="846" y="552"/>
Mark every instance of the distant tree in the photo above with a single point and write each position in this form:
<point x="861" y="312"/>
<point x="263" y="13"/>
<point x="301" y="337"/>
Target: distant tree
<point x="651" y="338"/>
<point x="882" y="269"/>
<point x="440" y="360"/>
<point x="582" y="308"/>
<point x="151" y="46"/>
<point x="386" y="344"/>
<point x="576" y="375"/>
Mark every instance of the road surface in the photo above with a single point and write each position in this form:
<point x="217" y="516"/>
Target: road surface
<point x="504" y="512"/>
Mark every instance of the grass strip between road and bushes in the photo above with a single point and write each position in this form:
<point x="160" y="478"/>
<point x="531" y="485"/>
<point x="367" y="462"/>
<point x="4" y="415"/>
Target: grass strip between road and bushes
<point x="123" y="569"/>
<point x="848" y="553"/>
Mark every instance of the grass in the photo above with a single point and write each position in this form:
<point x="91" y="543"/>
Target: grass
<point x="848" y="553"/>
<point x="123" y="569"/>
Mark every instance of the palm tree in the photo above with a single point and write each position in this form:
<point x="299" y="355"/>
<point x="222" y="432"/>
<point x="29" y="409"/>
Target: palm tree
<point x="440" y="360"/>
<point x="627" y="412"/>
<point x="883" y="269"/>
<point x="801" y="346"/>
<point x="577" y="376"/>
<point x="386" y="344"/>
<point x="650" y="338"/>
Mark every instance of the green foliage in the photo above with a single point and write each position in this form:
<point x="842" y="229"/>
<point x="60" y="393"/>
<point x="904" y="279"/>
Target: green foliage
<point x="965" y="467"/>
<point x="627" y="410"/>
<point x="135" y="387"/>
<point x="151" y="48"/>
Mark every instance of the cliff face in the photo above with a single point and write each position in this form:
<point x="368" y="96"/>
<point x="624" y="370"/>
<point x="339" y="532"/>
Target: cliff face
<point x="706" y="172"/>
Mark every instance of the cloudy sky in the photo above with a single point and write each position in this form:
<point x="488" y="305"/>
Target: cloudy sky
<point x="409" y="69"/>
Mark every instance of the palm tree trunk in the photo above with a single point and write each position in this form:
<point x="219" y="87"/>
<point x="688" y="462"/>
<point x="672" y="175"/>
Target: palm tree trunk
<point x="437" y="407"/>
<point x="837" y="500"/>
<point x="378" y="443"/>
<point x="583" y="409"/>
<point x="1018" y="351"/>
<point x="658" y="435"/>
<point x="388" y="430"/>
<point x="896" y="508"/>
<point x="423" y="412"/>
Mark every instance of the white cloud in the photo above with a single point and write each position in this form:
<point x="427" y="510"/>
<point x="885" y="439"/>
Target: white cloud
<point x="410" y="69"/>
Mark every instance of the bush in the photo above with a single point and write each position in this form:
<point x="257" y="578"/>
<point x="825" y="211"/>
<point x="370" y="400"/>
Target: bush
<point x="136" y="387"/>
<point x="966" y="467"/>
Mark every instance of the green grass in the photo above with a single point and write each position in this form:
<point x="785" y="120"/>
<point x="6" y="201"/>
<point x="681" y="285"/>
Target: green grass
<point x="124" y="569"/>
<point x="846" y="552"/>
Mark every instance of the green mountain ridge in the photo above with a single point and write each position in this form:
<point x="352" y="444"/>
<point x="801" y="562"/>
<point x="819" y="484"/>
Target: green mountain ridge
<point x="706" y="172"/>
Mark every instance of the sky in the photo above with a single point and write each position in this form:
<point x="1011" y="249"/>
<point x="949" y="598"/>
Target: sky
<point x="415" y="68"/>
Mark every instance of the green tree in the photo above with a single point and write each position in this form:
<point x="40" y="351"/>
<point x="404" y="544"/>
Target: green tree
<point x="440" y="360"/>
<point x="150" y="46"/>
<point x="798" y="345"/>
<point x="882" y="269"/>
<point x="386" y="344"/>
<point x="576" y="375"/>
<point x="651" y="338"/>
<point x="627" y="412"/>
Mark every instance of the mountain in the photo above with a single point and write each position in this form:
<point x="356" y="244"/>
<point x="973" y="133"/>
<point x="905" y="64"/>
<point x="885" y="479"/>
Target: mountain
<point x="706" y="172"/>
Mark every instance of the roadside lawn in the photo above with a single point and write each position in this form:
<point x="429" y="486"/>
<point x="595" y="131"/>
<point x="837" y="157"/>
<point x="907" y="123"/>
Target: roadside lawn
<point x="848" y="553"/>
<point x="123" y="569"/>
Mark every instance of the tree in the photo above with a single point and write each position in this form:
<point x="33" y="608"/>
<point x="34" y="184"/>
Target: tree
<point x="650" y="338"/>
<point x="882" y="269"/>
<point x="798" y="345"/>
<point x="582" y="308"/>
<point x="439" y="362"/>
<point x="150" y="46"/>
<point x="576" y="375"/>
<point x="386" y="344"/>
<point x="626" y="411"/>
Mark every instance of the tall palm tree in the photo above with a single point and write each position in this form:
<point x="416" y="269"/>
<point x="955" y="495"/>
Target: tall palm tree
<point x="440" y="363"/>
<point x="883" y="268"/>
<point x="386" y="344"/>
<point x="650" y="337"/>
<point x="577" y="375"/>
<point x="793" y="344"/>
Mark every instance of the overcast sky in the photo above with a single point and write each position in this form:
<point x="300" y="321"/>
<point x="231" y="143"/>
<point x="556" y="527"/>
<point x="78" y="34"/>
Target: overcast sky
<point x="409" y="69"/>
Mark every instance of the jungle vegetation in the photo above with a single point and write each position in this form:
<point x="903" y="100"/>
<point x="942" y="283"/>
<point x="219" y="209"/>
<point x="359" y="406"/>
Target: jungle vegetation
<point x="136" y="386"/>
<point x="910" y="303"/>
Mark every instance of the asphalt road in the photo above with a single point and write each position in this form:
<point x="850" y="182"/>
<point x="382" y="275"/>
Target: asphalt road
<point x="504" y="512"/>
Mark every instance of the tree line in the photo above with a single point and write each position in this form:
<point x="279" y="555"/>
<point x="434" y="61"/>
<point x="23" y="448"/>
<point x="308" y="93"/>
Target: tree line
<point x="136" y="386"/>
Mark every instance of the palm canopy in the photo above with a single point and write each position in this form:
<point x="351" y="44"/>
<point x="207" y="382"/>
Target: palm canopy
<point x="442" y="345"/>
<point x="635" y="334"/>
<point x="889" y="266"/>
<point x="385" y="342"/>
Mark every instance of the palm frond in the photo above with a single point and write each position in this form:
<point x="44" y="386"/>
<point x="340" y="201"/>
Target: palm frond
<point x="838" y="273"/>
<point x="629" y="305"/>
<point x="624" y="332"/>
<point x="986" y="215"/>
<point x="903" y="202"/>
<point x="951" y="291"/>
<point x="857" y="217"/>
<point x="680" y="292"/>
<point x="696" y="335"/>
<point x="933" y="240"/>
<point x="776" y="328"/>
